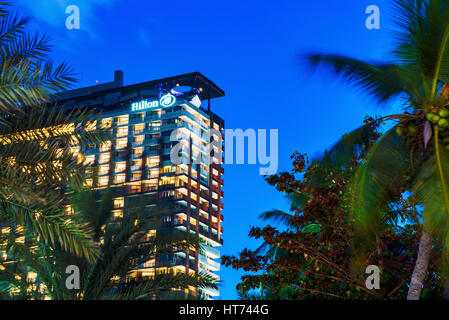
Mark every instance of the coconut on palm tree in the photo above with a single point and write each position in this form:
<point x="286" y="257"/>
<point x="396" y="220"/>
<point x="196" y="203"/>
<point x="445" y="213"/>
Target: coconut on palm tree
<point x="414" y="154"/>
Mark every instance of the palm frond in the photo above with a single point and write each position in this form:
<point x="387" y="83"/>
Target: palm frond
<point x="375" y="180"/>
<point x="382" y="81"/>
<point x="277" y="216"/>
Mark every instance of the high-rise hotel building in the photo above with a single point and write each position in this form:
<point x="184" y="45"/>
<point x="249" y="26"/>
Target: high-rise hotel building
<point x="136" y="162"/>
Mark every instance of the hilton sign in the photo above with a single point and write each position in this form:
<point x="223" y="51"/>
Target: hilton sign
<point x="166" y="101"/>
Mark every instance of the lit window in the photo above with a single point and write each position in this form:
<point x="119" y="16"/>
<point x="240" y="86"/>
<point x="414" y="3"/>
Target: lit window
<point x="105" y="157"/>
<point x="90" y="160"/>
<point x="69" y="210"/>
<point x="103" y="181"/>
<point x="136" y="176"/>
<point x="119" y="202"/>
<point x="123" y="120"/>
<point x="165" y="181"/>
<point x="74" y="150"/>
<point x="88" y="183"/>
<point x="154" y="173"/>
<point x="91" y="126"/>
<point x="31" y="276"/>
<point x="119" y="178"/>
<point x="106" y="146"/>
<point x="103" y="169"/>
<point x="106" y="123"/>
<point x="118" y="214"/>
<point x="138" y="140"/>
<point x="136" y="165"/>
<point x="20" y="239"/>
<point x="121" y="143"/>
<point x="137" y="151"/>
<point x="120" y="166"/>
<point x="123" y="131"/>
<point x="153" y="161"/>
<point x="6" y="230"/>
<point x="138" y="128"/>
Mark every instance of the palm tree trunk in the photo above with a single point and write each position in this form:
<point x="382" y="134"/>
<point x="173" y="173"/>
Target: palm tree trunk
<point x="422" y="262"/>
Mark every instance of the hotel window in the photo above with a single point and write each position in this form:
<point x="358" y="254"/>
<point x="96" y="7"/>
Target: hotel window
<point x="69" y="210"/>
<point x="20" y="239"/>
<point x="119" y="202"/>
<point x="167" y="194"/>
<point x="89" y="183"/>
<point x="103" y="181"/>
<point x="166" y="181"/>
<point x="138" y="128"/>
<point x="105" y="157"/>
<point x="106" y="123"/>
<point x="121" y="143"/>
<point x="90" y="160"/>
<point x="136" y="164"/>
<point x="137" y="152"/>
<point x="91" y="126"/>
<point x="155" y="125"/>
<point x="31" y="276"/>
<point x="216" y="127"/>
<point x="136" y="117"/>
<point x="119" y="178"/>
<point x="152" y="161"/>
<point x="122" y="120"/>
<point x="136" y="176"/>
<point x="154" y="173"/>
<point x="74" y="150"/>
<point x="120" y="166"/>
<point x="103" y="169"/>
<point x="122" y="131"/>
<point x="168" y="169"/>
<point x="138" y="140"/>
<point x="106" y="146"/>
<point x="118" y="214"/>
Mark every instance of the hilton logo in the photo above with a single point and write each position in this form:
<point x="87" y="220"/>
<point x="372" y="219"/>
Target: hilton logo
<point x="166" y="101"/>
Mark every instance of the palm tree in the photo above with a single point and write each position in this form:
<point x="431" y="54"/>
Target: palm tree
<point x="36" y="165"/>
<point x="124" y="244"/>
<point x="413" y="154"/>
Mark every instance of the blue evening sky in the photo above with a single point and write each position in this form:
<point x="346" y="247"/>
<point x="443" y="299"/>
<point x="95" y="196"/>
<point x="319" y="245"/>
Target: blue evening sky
<point x="250" y="49"/>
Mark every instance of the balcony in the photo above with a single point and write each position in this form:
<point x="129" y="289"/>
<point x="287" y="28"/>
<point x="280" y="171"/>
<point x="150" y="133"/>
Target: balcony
<point x="137" y="155"/>
<point x="136" y="167"/>
<point x="137" y="143"/>
<point x="211" y="252"/>
<point x="211" y="264"/>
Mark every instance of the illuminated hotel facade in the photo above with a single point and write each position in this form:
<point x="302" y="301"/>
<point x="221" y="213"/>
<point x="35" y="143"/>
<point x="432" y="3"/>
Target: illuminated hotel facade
<point x="136" y="162"/>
